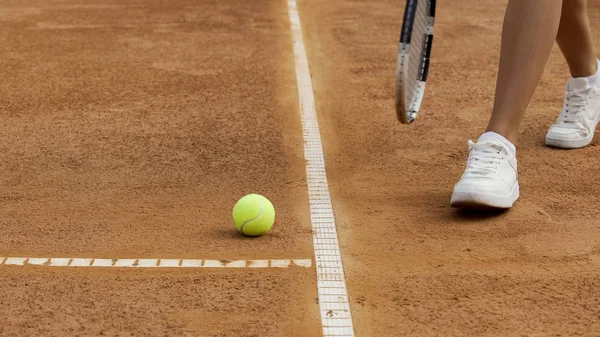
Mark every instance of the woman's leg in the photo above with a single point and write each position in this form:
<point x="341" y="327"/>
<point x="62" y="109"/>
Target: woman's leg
<point x="575" y="126"/>
<point x="530" y="28"/>
<point x="528" y="34"/>
<point x="575" y="39"/>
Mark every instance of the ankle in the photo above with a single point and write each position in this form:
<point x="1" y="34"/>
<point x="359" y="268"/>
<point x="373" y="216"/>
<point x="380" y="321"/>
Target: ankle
<point x="501" y="138"/>
<point x="590" y="71"/>
<point x="506" y="133"/>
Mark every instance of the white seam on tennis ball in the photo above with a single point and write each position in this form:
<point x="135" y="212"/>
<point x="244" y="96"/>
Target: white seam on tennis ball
<point x="336" y="319"/>
<point x="262" y="207"/>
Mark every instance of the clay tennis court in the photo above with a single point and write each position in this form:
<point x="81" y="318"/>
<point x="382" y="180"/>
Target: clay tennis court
<point x="129" y="129"/>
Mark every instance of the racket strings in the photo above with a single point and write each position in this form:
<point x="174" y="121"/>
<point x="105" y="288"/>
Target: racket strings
<point x="416" y="51"/>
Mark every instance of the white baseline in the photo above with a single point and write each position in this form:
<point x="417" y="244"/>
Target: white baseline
<point x="150" y="263"/>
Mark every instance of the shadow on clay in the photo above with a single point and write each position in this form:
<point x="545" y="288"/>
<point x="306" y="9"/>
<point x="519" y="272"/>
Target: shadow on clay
<point x="442" y="202"/>
<point x="232" y="233"/>
<point x="477" y="215"/>
<point x="228" y="233"/>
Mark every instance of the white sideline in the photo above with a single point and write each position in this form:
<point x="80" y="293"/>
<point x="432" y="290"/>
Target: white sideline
<point x="151" y="263"/>
<point x="333" y="297"/>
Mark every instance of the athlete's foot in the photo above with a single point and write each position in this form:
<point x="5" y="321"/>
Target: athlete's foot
<point x="490" y="179"/>
<point x="579" y="117"/>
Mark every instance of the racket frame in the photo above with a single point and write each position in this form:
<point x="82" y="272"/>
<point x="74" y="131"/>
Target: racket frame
<point x="408" y="115"/>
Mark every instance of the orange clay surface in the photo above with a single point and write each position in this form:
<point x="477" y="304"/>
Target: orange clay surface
<point x="129" y="129"/>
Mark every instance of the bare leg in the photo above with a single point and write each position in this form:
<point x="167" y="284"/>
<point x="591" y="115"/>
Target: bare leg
<point x="574" y="128"/>
<point x="529" y="31"/>
<point x="490" y="179"/>
<point x="575" y="39"/>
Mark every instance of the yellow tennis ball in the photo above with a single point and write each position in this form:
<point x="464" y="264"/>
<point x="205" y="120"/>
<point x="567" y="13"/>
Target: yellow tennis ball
<point x="253" y="215"/>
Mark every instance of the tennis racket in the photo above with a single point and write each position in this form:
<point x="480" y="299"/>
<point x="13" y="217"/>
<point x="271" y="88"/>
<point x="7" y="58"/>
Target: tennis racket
<point x="412" y="64"/>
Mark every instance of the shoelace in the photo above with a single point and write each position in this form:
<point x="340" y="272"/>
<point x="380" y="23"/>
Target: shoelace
<point x="575" y="106"/>
<point x="484" y="157"/>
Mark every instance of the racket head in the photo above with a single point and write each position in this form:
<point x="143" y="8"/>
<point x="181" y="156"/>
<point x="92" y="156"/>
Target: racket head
<point x="412" y="64"/>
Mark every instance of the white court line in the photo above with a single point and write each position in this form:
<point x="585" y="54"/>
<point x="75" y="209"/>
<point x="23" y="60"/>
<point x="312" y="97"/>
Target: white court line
<point x="151" y="263"/>
<point x="333" y="297"/>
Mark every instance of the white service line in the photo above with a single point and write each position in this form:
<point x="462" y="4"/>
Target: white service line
<point x="331" y="285"/>
<point x="151" y="263"/>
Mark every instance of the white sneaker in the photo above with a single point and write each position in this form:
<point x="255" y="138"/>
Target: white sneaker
<point x="579" y="117"/>
<point x="490" y="179"/>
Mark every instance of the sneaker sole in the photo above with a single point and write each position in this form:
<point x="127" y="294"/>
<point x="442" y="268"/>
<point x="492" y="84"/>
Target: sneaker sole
<point x="569" y="144"/>
<point x="572" y="144"/>
<point x="483" y="201"/>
